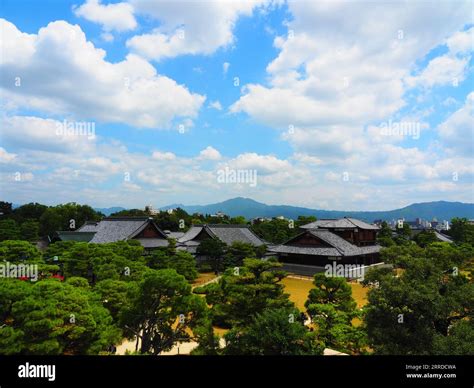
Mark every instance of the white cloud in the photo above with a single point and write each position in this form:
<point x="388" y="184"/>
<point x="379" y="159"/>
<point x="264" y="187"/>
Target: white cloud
<point x="46" y="134"/>
<point x="5" y="156"/>
<point x="113" y="17"/>
<point x="63" y="73"/>
<point x="163" y="155"/>
<point x="210" y="153"/>
<point x="192" y="28"/>
<point x="216" y="105"/>
<point x="334" y="76"/>
<point x="457" y="131"/>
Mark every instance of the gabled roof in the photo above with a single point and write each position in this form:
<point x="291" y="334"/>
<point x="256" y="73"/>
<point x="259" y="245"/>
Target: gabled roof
<point x="337" y="246"/>
<point x="224" y="232"/>
<point x="122" y="228"/>
<point x="343" y="223"/>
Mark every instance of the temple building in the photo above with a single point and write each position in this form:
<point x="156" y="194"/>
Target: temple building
<point x="343" y="241"/>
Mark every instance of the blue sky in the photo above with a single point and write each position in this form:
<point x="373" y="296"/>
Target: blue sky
<point x="300" y="92"/>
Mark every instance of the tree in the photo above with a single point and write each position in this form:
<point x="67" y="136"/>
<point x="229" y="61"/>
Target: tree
<point x="243" y="292"/>
<point x="461" y="231"/>
<point x="273" y="332"/>
<point x="425" y="237"/>
<point x="384" y="236"/>
<point x="213" y="250"/>
<point x="29" y="230"/>
<point x="62" y="217"/>
<point x="29" y="211"/>
<point x="52" y="318"/>
<point x="5" y="208"/>
<point x="276" y="231"/>
<point x="16" y="251"/>
<point x="9" y="230"/>
<point x="161" y="311"/>
<point x="114" y="295"/>
<point x="183" y="262"/>
<point x="332" y="308"/>
<point x="416" y="311"/>
<point x="237" y="252"/>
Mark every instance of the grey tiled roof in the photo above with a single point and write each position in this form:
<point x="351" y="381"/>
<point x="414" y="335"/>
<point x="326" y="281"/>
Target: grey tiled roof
<point x="190" y="234"/>
<point x="226" y="233"/>
<point x="316" y="251"/>
<point x="338" y="246"/>
<point x="119" y="229"/>
<point x="89" y="226"/>
<point x="343" y="223"/>
<point x="175" y="235"/>
<point x="232" y="233"/>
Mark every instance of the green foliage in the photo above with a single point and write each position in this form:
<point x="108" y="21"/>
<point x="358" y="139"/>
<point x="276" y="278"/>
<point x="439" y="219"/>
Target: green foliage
<point x="9" y="230"/>
<point x="243" y="292"/>
<point x="462" y="231"/>
<point x="273" y="332"/>
<point x="51" y="318"/>
<point x="237" y="252"/>
<point x="161" y="309"/>
<point x="417" y="309"/>
<point x="275" y="231"/>
<point x="425" y="237"/>
<point x="332" y="308"/>
<point x="183" y="262"/>
<point x="16" y="251"/>
<point x="213" y="250"/>
<point x="59" y="217"/>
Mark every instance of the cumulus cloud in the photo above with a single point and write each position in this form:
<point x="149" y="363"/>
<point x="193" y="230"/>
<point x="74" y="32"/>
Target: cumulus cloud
<point x="196" y="28"/>
<point x="113" y="17"/>
<point x="457" y="131"/>
<point x="210" y="153"/>
<point x="62" y="72"/>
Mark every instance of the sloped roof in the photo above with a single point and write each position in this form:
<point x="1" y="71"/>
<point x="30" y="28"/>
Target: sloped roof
<point x="75" y="236"/>
<point x="338" y="246"/>
<point x="232" y="233"/>
<point x="121" y="228"/>
<point x="89" y="226"/>
<point x="191" y="234"/>
<point x="343" y="223"/>
<point x="224" y="232"/>
<point x="442" y="237"/>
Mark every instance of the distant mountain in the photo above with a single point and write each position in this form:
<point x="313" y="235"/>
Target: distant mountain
<point x="108" y="210"/>
<point x="442" y="210"/>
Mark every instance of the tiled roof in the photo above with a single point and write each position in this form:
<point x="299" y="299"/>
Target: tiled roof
<point x="121" y="228"/>
<point x="338" y="246"/>
<point x="224" y="232"/>
<point x="232" y="233"/>
<point x="190" y="234"/>
<point x="313" y="251"/>
<point x="343" y="223"/>
<point x="89" y="226"/>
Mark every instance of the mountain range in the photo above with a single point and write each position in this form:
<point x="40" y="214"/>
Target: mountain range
<point x="441" y="210"/>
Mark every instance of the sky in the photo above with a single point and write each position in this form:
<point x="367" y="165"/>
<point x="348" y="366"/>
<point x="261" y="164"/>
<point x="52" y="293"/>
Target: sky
<point x="344" y="105"/>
